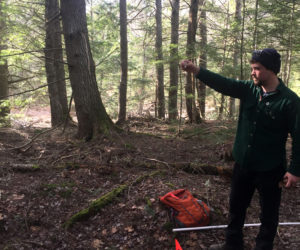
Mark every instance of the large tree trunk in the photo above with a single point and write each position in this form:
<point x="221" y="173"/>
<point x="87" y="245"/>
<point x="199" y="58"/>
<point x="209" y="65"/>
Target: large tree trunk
<point x="91" y="114"/>
<point x="54" y="64"/>
<point x="173" y="111"/>
<point x="192" y="112"/>
<point x="159" y="63"/>
<point x="203" y="58"/>
<point x="124" y="62"/>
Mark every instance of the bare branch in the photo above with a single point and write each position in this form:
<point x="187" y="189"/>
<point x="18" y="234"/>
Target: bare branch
<point x="31" y="90"/>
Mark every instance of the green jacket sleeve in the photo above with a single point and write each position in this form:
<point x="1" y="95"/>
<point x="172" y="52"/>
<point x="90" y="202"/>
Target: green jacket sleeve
<point x="293" y="118"/>
<point x="227" y="86"/>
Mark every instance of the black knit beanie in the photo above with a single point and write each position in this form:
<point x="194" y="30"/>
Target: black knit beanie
<point x="269" y="58"/>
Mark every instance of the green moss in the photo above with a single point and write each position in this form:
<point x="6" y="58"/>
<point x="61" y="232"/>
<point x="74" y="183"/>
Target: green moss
<point x="95" y="206"/>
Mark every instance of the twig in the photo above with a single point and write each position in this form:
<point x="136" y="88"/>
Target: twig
<point x="155" y="160"/>
<point x="36" y="136"/>
<point x="63" y="157"/>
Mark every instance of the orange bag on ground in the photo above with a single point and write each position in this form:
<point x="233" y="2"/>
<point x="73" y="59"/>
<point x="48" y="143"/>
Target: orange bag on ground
<point x="187" y="210"/>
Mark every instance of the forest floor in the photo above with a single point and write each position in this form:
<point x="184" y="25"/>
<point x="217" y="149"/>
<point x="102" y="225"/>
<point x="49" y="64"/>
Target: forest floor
<point x="45" y="181"/>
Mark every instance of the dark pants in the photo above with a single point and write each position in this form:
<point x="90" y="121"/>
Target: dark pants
<point x="243" y="185"/>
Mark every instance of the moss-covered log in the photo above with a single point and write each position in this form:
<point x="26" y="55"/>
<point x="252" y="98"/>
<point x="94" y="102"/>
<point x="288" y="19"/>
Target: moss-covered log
<point x="104" y="200"/>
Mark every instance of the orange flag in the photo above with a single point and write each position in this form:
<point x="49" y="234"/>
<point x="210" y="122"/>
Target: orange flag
<point x="177" y="245"/>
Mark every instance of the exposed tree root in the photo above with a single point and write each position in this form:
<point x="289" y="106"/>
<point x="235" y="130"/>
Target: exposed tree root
<point x="104" y="200"/>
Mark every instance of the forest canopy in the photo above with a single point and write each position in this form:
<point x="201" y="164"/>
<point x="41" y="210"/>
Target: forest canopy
<point x="222" y="36"/>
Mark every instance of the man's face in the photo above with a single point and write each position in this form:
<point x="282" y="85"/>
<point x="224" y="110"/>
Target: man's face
<point x="259" y="73"/>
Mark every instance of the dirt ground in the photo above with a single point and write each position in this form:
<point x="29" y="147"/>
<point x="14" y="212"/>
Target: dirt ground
<point x="43" y="182"/>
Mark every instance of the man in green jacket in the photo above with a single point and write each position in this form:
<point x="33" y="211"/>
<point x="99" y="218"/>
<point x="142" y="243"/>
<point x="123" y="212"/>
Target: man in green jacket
<point x="269" y="111"/>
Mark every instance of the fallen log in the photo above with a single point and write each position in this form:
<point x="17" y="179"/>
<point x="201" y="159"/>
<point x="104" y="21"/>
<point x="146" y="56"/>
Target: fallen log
<point x="104" y="200"/>
<point x="18" y="167"/>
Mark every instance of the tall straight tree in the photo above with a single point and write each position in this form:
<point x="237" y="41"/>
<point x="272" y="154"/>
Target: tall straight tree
<point x="237" y="50"/>
<point x="222" y="102"/>
<point x="90" y="111"/>
<point x="124" y="61"/>
<point x="54" y="64"/>
<point x="159" y="64"/>
<point x="4" y="110"/>
<point x="173" y="112"/>
<point x="192" y="112"/>
<point x="290" y="43"/>
<point x="202" y="58"/>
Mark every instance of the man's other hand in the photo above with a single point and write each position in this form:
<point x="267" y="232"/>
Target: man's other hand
<point x="290" y="180"/>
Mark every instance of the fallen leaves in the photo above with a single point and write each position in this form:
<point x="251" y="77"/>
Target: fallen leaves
<point x="97" y="244"/>
<point x="129" y="229"/>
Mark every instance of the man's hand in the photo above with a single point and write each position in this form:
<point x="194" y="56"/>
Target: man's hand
<point x="189" y="67"/>
<point x="290" y="180"/>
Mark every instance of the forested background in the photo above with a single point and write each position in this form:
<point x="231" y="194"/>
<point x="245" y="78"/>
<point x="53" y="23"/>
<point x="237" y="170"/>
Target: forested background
<point x="135" y="50"/>
<point x="98" y="121"/>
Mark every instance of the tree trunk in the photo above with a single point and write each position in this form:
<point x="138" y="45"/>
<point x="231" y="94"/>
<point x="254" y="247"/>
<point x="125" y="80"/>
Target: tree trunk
<point x="255" y="34"/>
<point x="54" y="64"/>
<point x="236" y="53"/>
<point x="291" y="34"/>
<point x="173" y="111"/>
<point x="141" y="88"/>
<point x="124" y="62"/>
<point x="222" y="102"/>
<point x="192" y="112"/>
<point x="4" y="108"/>
<point x="203" y="58"/>
<point x="91" y="114"/>
<point x="159" y="63"/>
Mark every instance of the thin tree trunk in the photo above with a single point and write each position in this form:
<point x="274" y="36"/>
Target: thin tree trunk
<point x="91" y="114"/>
<point x="53" y="64"/>
<point x="255" y="35"/>
<point x="202" y="58"/>
<point x="141" y="89"/>
<point x="236" y="53"/>
<point x="222" y="103"/>
<point x="124" y="62"/>
<point x="192" y="112"/>
<point x="173" y="111"/>
<point x="4" y="109"/>
<point x="288" y="62"/>
<point x="159" y="64"/>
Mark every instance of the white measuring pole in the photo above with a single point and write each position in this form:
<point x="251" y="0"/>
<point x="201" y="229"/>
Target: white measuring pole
<point x="224" y="226"/>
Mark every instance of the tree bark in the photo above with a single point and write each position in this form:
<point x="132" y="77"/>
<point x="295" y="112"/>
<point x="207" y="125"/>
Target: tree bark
<point x="203" y="59"/>
<point x="222" y="102"/>
<point x="90" y="111"/>
<point x="291" y="34"/>
<point x="54" y="64"/>
<point x="159" y="63"/>
<point x="236" y="53"/>
<point x="4" y="109"/>
<point x="192" y="112"/>
<point x="124" y="62"/>
<point x="173" y="111"/>
<point x="255" y="34"/>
